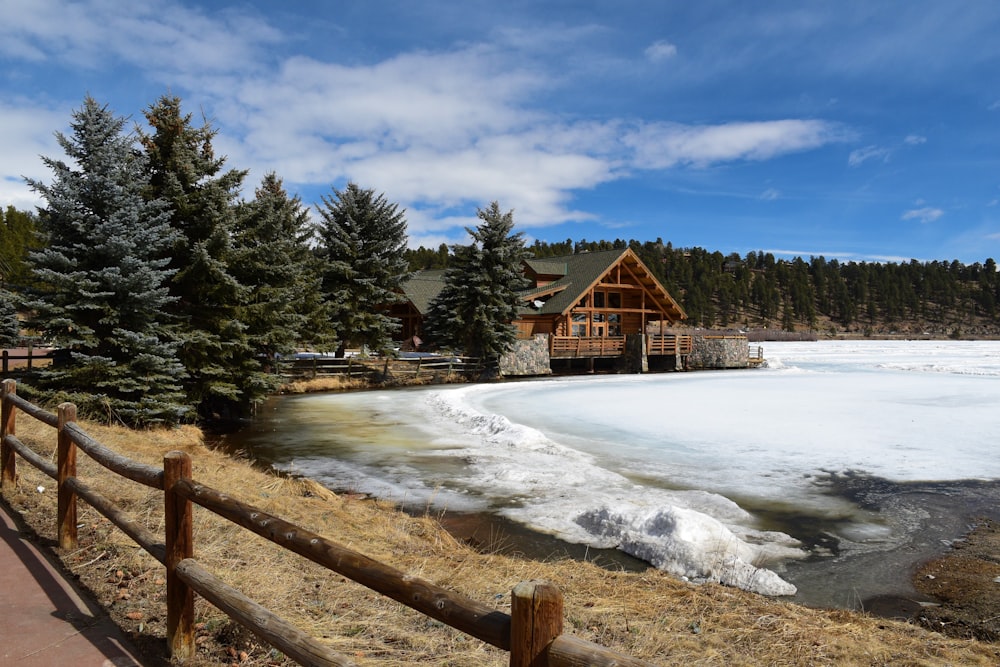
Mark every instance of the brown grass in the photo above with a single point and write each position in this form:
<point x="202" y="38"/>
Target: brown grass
<point x="650" y="614"/>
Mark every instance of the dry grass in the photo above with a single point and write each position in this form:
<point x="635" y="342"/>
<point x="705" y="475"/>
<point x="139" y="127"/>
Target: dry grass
<point x="649" y="614"/>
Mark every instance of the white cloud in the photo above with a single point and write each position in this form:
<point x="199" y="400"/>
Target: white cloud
<point x="29" y="133"/>
<point x="665" y="145"/>
<point x="862" y="155"/>
<point x="924" y="214"/>
<point x="914" y="140"/>
<point x="660" y="50"/>
<point x="770" y="194"/>
<point x="436" y="131"/>
<point x="994" y="106"/>
<point x="168" y="37"/>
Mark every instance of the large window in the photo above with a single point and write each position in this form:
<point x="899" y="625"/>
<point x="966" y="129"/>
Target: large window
<point x="614" y="324"/>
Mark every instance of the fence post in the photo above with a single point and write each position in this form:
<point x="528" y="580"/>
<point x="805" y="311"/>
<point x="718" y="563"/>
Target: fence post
<point x="66" y="468"/>
<point x="178" y="513"/>
<point x="6" y="354"/>
<point x="8" y="457"/>
<point x="536" y="618"/>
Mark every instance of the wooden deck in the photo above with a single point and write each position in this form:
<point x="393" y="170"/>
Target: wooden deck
<point x="586" y="346"/>
<point x="562" y="347"/>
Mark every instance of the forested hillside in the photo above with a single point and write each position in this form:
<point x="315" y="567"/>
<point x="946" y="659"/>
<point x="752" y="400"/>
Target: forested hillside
<point x="758" y="291"/>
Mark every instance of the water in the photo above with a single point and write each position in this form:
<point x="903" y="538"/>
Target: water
<point x="834" y="469"/>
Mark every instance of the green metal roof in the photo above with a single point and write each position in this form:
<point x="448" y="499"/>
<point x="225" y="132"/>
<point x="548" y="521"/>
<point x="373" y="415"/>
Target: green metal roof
<point x="422" y="287"/>
<point x="547" y="267"/>
<point x="578" y="273"/>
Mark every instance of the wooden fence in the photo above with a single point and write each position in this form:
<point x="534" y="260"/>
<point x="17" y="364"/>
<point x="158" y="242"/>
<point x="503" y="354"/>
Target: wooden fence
<point x="532" y="633"/>
<point x="378" y="369"/>
<point x="9" y="360"/>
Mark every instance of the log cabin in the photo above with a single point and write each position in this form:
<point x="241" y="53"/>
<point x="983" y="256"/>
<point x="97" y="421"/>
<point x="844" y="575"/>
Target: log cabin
<point x="586" y="303"/>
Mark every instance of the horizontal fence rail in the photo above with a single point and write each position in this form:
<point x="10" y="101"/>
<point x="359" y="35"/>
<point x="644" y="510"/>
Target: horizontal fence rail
<point x="11" y="361"/>
<point x="378" y="369"/>
<point x="532" y="633"/>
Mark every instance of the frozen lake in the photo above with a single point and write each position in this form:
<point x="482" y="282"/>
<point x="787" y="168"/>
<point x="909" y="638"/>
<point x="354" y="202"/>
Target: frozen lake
<point x="838" y="461"/>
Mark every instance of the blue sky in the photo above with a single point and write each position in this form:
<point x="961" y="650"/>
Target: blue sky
<point x="857" y="130"/>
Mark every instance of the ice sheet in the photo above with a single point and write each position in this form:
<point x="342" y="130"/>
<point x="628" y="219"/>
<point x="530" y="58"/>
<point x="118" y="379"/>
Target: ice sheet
<point x="662" y="465"/>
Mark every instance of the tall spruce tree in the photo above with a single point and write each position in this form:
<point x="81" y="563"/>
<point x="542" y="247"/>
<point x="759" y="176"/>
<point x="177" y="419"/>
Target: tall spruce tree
<point x="479" y="300"/>
<point x="273" y="261"/>
<point x="10" y="326"/>
<point x="363" y="255"/>
<point x="185" y="172"/>
<point x="103" y="276"/>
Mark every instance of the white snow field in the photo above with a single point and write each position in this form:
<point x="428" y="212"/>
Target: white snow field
<point x="671" y="467"/>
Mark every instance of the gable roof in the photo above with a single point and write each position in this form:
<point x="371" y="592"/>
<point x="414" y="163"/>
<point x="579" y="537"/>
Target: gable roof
<point x="585" y="270"/>
<point x="422" y="287"/>
<point x="577" y="275"/>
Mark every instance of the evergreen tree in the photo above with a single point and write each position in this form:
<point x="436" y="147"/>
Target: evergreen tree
<point x="363" y="262"/>
<point x="273" y="261"/>
<point x="479" y="300"/>
<point x="18" y="236"/>
<point x="10" y="326"/>
<point x="184" y="171"/>
<point x="103" y="277"/>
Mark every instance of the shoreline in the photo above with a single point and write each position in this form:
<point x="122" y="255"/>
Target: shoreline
<point x="883" y="583"/>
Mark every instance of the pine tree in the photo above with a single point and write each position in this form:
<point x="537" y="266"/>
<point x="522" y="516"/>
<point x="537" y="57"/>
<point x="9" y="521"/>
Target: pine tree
<point x="479" y="300"/>
<point x="103" y="276"/>
<point x="184" y="171"/>
<point x="363" y="254"/>
<point x="10" y="326"/>
<point x="273" y="261"/>
<point x="18" y="236"/>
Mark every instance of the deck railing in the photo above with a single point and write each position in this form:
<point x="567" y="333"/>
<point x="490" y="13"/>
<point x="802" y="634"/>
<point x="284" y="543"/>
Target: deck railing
<point x="668" y="344"/>
<point x="532" y="633"/>
<point x="586" y="346"/>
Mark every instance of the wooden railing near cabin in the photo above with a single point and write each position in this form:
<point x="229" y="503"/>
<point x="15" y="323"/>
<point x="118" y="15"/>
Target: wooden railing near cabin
<point x="376" y="369"/>
<point x="668" y="344"/>
<point x="586" y="346"/>
<point x="532" y="633"/>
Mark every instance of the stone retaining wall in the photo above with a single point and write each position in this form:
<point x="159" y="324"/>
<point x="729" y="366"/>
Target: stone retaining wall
<point x="527" y="357"/>
<point x="718" y="352"/>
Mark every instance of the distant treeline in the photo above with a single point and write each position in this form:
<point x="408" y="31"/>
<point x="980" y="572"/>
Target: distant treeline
<point x="759" y="291"/>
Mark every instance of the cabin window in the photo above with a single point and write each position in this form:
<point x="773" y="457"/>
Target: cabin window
<point x="598" y="317"/>
<point x="598" y="299"/>
<point x="583" y="303"/>
<point x="614" y="324"/>
<point x="579" y="327"/>
<point x="614" y="299"/>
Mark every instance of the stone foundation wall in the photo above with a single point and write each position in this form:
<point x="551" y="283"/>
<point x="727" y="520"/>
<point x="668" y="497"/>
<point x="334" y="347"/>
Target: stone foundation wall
<point x="527" y="357"/>
<point x="718" y="352"/>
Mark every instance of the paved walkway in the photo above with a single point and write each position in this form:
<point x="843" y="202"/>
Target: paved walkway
<point x="43" y="620"/>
